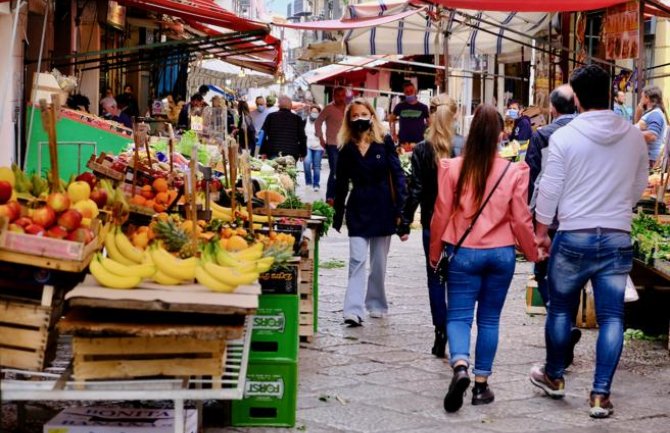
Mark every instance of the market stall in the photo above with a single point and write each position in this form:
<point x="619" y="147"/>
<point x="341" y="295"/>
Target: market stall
<point x="160" y="252"/>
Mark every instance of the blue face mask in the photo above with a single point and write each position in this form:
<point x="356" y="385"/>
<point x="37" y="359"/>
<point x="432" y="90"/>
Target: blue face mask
<point x="260" y="108"/>
<point x="410" y="99"/>
<point x="512" y="113"/>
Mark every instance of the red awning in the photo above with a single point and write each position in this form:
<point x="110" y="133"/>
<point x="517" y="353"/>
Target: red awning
<point x="348" y="23"/>
<point x="205" y="15"/>
<point x="528" y="5"/>
<point x="204" y="11"/>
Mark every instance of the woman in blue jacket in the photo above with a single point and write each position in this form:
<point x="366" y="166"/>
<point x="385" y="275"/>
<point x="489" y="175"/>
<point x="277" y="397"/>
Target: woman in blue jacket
<point x="368" y="161"/>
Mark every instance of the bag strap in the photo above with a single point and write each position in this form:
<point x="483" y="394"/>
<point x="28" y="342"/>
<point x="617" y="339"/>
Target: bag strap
<point x="479" y="212"/>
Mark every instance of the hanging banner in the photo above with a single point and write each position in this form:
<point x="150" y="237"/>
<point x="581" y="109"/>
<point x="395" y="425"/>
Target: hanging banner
<point x="621" y="31"/>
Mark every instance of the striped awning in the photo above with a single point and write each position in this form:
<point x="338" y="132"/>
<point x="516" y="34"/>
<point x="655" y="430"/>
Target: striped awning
<point x="470" y="32"/>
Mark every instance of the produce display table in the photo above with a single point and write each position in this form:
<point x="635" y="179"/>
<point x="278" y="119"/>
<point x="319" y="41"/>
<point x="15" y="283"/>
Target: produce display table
<point x="656" y="277"/>
<point x="56" y="383"/>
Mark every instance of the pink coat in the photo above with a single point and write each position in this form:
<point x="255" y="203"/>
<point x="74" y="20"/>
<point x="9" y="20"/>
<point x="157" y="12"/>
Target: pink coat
<point x="505" y="221"/>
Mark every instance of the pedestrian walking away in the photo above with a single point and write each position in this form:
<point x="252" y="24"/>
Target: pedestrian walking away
<point x="652" y="119"/>
<point x="245" y="124"/>
<point x="422" y="190"/>
<point x="332" y="115"/>
<point x="312" y="162"/>
<point x="372" y="208"/>
<point x="595" y="173"/>
<point x="562" y="106"/>
<point x="482" y="208"/>
<point x="412" y="117"/>
<point x="284" y="132"/>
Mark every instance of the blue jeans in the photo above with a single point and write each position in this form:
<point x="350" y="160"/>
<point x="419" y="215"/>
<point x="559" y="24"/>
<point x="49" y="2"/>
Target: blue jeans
<point x="482" y="277"/>
<point x="436" y="291"/>
<point x="312" y="164"/>
<point x="333" y="153"/>
<point x="605" y="258"/>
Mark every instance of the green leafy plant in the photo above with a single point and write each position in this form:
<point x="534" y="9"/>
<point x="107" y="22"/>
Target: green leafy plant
<point x="333" y="264"/>
<point x="322" y="208"/>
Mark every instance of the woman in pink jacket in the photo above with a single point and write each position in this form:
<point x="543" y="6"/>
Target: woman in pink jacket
<point x="481" y="270"/>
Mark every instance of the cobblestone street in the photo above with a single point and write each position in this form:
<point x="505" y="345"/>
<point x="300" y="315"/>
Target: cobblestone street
<point x="382" y="378"/>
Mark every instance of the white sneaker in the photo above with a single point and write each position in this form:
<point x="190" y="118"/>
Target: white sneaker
<point x="316" y="189"/>
<point x="376" y="314"/>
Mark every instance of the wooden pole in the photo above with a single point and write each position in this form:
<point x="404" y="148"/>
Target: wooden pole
<point x="640" y="56"/>
<point x="446" y="60"/>
<point x="49" y="119"/>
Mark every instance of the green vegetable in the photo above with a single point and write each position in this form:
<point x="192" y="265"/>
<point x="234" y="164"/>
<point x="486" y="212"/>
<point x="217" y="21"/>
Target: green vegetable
<point x="292" y="202"/>
<point x="322" y="208"/>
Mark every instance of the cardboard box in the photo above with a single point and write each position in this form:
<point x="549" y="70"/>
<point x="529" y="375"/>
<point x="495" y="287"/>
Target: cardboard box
<point x="119" y="420"/>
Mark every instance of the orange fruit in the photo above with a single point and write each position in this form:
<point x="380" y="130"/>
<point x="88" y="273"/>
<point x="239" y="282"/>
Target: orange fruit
<point x="241" y="232"/>
<point x="138" y="200"/>
<point x="151" y="234"/>
<point x="160" y="185"/>
<point x="236" y="243"/>
<point x="147" y="192"/>
<point x="149" y="204"/>
<point x="159" y="207"/>
<point x="227" y="232"/>
<point x="223" y="243"/>
<point x="140" y="240"/>
<point x="162" y="198"/>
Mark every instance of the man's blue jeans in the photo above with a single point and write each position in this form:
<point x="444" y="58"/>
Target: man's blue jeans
<point x="436" y="291"/>
<point x="482" y="277"/>
<point x="312" y="165"/>
<point x="606" y="258"/>
<point x="332" y="152"/>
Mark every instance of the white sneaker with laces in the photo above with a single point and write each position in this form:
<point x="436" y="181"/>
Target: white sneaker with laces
<point x="375" y="314"/>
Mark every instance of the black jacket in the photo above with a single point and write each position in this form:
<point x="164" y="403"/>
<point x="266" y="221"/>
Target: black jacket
<point x="421" y="188"/>
<point x="371" y="209"/>
<point x="285" y="134"/>
<point x="538" y="142"/>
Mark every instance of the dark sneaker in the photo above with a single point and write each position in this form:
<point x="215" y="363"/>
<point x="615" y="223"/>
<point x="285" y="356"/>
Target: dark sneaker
<point x="459" y="384"/>
<point x="601" y="406"/>
<point x="482" y="395"/>
<point x="553" y="388"/>
<point x="575" y="336"/>
<point x="353" y="321"/>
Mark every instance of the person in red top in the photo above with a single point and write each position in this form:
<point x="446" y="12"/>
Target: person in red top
<point x="481" y="271"/>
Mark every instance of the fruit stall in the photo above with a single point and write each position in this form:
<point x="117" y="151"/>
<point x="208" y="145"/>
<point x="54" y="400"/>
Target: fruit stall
<point x="167" y="272"/>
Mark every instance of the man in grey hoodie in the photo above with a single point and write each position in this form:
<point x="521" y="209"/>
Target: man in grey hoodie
<point x="596" y="171"/>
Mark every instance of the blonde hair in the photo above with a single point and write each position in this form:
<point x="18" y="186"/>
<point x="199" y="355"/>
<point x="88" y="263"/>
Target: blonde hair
<point x="346" y="135"/>
<point x="441" y="132"/>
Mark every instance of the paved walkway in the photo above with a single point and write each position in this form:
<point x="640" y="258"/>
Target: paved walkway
<point x="382" y="378"/>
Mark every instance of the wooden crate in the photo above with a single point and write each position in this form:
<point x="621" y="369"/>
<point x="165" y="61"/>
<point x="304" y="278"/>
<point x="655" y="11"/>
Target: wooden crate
<point x="305" y="289"/>
<point x="27" y="331"/>
<point x="134" y="357"/>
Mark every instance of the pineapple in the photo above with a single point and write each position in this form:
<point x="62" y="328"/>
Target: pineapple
<point x="189" y="249"/>
<point x="174" y="238"/>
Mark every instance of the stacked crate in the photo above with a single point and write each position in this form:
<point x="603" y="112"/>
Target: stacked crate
<point x="271" y="391"/>
<point x="307" y="300"/>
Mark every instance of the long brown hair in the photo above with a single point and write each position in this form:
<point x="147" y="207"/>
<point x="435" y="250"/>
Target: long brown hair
<point x="480" y="153"/>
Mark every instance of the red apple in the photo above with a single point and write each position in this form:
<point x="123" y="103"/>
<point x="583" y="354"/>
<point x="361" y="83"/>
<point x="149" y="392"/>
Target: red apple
<point x="5" y="191"/>
<point x="82" y="235"/>
<point x="44" y="216"/>
<point x="23" y="222"/>
<point x="215" y="185"/>
<point x="16" y="208"/>
<point x="89" y="178"/>
<point x="99" y="196"/>
<point x="8" y="212"/>
<point x="56" y="232"/>
<point x="35" y="229"/>
<point x="58" y="201"/>
<point x="16" y="228"/>
<point x="70" y="219"/>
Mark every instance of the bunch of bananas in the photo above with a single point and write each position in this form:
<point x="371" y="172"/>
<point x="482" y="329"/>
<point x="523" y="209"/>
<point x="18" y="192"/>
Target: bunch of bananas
<point x="222" y="271"/>
<point x="115" y="275"/>
<point x="120" y="249"/>
<point x="226" y="214"/>
<point x="170" y="270"/>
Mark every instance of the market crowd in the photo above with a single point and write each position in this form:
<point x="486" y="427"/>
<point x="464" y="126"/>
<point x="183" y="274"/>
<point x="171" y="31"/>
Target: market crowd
<point x="564" y="198"/>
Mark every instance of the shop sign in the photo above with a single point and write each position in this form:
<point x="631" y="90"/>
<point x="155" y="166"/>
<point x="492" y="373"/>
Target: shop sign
<point x="621" y="31"/>
<point x="264" y="386"/>
<point x="116" y="14"/>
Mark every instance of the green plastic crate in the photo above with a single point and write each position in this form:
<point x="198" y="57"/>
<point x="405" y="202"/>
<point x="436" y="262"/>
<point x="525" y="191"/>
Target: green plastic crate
<point x="275" y="330"/>
<point x="270" y="395"/>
